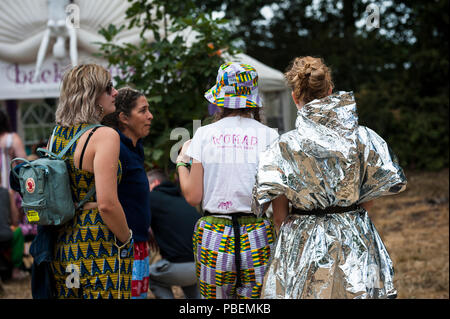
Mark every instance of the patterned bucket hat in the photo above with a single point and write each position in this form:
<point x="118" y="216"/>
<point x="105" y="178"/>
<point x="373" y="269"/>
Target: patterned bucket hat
<point x="236" y="87"/>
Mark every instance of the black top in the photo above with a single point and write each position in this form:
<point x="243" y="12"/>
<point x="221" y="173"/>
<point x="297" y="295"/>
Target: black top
<point x="173" y="222"/>
<point x="133" y="190"/>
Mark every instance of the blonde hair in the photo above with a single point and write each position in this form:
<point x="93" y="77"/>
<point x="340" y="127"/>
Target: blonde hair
<point x="309" y="78"/>
<point x="81" y="87"/>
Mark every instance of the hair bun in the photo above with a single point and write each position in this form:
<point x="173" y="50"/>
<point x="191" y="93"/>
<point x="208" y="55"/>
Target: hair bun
<point x="307" y="70"/>
<point x="309" y="78"/>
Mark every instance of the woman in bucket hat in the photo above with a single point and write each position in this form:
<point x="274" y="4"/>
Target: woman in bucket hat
<point x="217" y="168"/>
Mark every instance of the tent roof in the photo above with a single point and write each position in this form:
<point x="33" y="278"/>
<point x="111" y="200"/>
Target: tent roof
<point x="270" y="79"/>
<point x="23" y="23"/>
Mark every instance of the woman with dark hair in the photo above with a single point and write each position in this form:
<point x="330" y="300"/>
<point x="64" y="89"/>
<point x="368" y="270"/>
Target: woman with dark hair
<point x="132" y="120"/>
<point x="328" y="170"/>
<point x="231" y="245"/>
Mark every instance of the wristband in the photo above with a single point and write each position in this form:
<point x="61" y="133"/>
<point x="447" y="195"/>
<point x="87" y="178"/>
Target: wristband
<point x="183" y="164"/>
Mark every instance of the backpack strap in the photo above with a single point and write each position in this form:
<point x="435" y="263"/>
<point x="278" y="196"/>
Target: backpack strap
<point x="88" y="195"/>
<point x="75" y="138"/>
<point x="50" y="145"/>
<point x="22" y="160"/>
<point x="91" y="191"/>
<point x="43" y="151"/>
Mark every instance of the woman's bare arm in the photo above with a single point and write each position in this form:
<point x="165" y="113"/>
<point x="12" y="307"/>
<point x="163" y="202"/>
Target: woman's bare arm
<point x="191" y="182"/>
<point x="280" y="207"/>
<point x="105" y="143"/>
<point x="18" y="147"/>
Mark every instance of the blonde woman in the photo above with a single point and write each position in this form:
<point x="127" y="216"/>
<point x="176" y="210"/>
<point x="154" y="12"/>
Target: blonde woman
<point x="93" y="253"/>
<point x="328" y="169"/>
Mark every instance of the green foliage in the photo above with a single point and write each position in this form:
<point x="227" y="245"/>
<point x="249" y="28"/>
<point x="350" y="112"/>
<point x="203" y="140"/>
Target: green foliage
<point x="399" y="72"/>
<point x="173" y="73"/>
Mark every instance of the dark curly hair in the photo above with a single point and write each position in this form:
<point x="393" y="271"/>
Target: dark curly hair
<point x="125" y="102"/>
<point x="5" y="125"/>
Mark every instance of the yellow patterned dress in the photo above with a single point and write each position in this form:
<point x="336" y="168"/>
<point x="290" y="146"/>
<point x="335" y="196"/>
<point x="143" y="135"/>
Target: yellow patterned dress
<point x="86" y="262"/>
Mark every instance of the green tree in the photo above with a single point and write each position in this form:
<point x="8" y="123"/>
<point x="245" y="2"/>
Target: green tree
<point x="409" y="103"/>
<point x="399" y="71"/>
<point x="173" y="73"/>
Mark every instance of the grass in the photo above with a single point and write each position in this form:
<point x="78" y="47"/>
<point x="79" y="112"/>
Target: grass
<point x="414" y="228"/>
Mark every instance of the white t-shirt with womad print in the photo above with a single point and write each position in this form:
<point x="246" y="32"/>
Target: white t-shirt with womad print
<point x="229" y="152"/>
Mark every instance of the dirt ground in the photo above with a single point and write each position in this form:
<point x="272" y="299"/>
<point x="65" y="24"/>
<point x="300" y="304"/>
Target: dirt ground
<point x="413" y="226"/>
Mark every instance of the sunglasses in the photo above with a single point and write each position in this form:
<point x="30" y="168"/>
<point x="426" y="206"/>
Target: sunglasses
<point x="109" y="88"/>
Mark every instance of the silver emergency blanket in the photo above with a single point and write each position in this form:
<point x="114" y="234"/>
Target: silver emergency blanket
<point x="328" y="160"/>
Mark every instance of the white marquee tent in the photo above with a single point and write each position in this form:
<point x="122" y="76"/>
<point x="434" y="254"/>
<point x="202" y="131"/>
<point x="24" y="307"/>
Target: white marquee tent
<point x="24" y="24"/>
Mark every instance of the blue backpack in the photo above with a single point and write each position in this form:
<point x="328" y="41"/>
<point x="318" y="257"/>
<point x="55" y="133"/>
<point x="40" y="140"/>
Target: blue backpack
<point x="45" y="186"/>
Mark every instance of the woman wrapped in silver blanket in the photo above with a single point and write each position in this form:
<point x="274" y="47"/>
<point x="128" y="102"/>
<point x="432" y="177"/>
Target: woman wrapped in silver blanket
<point x="326" y="171"/>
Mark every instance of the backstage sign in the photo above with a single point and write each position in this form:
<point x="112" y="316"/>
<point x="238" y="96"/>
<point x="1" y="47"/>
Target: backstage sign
<point x="17" y="80"/>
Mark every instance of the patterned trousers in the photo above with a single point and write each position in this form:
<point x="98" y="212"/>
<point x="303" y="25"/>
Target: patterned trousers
<point x="214" y="250"/>
<point x="87" y="264"/>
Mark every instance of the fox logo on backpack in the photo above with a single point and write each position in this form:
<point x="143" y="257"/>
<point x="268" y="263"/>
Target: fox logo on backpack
<point x="45" y="186"/>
